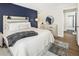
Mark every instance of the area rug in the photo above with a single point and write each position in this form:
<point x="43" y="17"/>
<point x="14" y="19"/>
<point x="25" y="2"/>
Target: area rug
<point x="59" y="48"/>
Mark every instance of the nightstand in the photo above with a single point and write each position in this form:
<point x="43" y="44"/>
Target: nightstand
<point x="1" y="39"/>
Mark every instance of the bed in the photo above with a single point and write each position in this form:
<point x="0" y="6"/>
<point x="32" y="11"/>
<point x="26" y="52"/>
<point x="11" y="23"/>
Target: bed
<point x="28" y="46"/>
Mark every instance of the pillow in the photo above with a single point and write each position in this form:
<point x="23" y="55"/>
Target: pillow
<point x="18" y="26"/>
<point x="24" y="26"/>
<point x="13" y="26"/>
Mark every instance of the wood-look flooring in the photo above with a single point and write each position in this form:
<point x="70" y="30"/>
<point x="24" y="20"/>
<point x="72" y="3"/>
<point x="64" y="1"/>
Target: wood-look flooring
<point x="73" y="47"/>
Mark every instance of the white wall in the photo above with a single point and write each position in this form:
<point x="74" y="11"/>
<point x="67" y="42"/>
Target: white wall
<point x="78" y="24"/>
<point x="54" y="9"/>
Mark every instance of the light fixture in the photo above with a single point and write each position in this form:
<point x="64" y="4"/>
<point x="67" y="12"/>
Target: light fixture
<point x="27" y="18"/>
<point x="8" y="17"/>
<point x="36" y="19"/>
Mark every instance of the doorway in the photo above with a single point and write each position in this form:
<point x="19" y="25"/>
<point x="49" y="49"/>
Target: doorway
<point x="70" y="21"/>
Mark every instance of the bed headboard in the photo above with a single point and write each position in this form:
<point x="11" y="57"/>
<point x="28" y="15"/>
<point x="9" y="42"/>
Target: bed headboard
<point x="14" y="23"/>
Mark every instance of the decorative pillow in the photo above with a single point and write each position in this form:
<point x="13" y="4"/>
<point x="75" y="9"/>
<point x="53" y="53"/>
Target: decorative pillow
<point x="24" y="26"/>
<point x="13" y="26"/>
<point x="18" y="26"/>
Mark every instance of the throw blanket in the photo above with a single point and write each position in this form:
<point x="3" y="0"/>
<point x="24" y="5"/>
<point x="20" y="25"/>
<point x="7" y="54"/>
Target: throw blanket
<point x="17" y="36"/>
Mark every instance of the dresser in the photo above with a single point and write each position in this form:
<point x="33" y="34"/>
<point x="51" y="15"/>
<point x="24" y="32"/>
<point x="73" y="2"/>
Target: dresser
<point x="53" y="28"/>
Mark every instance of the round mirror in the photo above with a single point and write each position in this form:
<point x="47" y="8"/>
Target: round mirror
<point x="50" y="19"/>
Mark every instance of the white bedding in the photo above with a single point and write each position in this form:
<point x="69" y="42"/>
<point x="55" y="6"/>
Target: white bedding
<point x="32" y="46"/>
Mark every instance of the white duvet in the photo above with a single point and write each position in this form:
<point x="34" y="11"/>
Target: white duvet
<point x="32" y="46"/>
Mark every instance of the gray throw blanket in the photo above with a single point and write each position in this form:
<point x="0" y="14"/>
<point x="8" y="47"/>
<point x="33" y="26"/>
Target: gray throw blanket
<point x="17" y="36"/>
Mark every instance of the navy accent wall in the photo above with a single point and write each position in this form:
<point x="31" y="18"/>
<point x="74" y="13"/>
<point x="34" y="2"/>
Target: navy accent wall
<point x="15" y="10"/>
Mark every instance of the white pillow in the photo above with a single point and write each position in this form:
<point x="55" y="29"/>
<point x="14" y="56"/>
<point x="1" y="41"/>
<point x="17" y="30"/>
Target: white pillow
<point x="18" y="26"/>
<point x="13" y="26"/>
<point x="26" y="25"/>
